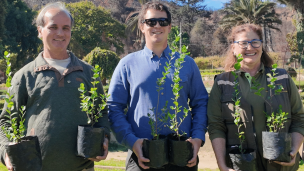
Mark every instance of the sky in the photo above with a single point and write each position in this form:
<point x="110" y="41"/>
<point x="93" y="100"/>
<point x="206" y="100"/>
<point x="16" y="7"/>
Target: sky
<point x="215" y="4"/>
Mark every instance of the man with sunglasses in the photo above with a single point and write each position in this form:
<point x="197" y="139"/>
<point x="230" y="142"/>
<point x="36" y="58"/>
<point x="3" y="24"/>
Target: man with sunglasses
<point x="133" y="86"/>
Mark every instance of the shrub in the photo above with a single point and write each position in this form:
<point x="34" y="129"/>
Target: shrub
<point x="106" y="59"/>
<point x="209" y="62"/>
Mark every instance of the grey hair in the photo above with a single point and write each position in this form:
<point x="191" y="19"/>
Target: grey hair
<point x="57" y="5"/>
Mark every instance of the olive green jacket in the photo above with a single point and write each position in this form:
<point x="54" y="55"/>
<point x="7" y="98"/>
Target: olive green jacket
<point x="53" y="110"/>
<point x="220" y="119"/>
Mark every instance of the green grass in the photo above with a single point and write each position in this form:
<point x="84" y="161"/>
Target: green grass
<point x="111" y="162"/>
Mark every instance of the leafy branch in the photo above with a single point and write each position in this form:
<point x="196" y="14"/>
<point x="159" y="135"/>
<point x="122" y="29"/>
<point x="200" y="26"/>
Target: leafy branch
<point x="237" y="101"/>
<point x="174" y="123"/>
<point x="88" y="101"/>
<point x="275" y="121"/>
<point x="13" y="131"/>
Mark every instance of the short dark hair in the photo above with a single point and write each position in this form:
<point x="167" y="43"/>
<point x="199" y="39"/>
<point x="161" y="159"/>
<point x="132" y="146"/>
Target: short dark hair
<point x="152" y="5"/>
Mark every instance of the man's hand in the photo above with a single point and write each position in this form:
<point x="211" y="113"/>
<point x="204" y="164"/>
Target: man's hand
<point x="292" y="162"/>
<point x="196" y="144"/>
<point x="137" y="149"/>
<point x="8" y="163"/>
<point x="105" y="154"/>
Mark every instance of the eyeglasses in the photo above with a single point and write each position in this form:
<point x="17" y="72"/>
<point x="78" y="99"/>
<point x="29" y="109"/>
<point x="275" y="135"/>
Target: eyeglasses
<point x="153" y="21"/>
<point x="256" y="43"/>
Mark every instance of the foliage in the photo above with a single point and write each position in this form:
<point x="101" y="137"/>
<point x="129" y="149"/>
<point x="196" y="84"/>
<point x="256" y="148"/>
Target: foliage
<point x="14" y="128"/>
<point x="106" y="59"/>
<point x="250" y="11"/>
<point x="88" y="102"/>
<point x="94" y="27"/>
<point x="187" y="12"/>
<point x="173" y="32"/>
<point x="237" y="101"/>
<point x="174" y="122"/>
<point x="13" y="61"/>
<point x="20" y="35"/>
<point x="157" y="121"/>
<point x="275" y="120"/>
<point x="213" y="61"/>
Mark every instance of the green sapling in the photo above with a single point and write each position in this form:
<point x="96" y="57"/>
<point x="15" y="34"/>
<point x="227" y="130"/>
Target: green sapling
<point x="275" y="120"/>
<point x="237" y="101"/>
<point x="14" y="128"/>
<point x="88" y="101"/>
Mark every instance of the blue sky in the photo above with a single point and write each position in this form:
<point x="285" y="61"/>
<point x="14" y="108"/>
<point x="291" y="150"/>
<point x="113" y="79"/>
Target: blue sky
<point x="215" y="4"/>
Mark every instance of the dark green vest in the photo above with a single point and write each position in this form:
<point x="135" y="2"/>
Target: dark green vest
<point x="225" y="82"/>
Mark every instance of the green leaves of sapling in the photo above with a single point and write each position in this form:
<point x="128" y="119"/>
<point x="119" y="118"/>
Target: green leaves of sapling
<point x="14" y="128"/>
<point x="88" y="102"/>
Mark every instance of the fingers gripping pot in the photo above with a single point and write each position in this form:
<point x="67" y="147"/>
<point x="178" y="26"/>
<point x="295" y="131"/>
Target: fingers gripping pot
<point x="26" y="155"/>
<point x="180" y="150"/>
<point x="245" y="161"/>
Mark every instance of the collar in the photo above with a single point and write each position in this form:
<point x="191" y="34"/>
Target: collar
<point x="151" y="54"/>
<point x="41" y="64"/>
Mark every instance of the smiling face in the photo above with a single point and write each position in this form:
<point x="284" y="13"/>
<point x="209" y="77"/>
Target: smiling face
<point x="157" y="35"/>
<point x="251" y="55"/>
<point x="56" y="32"/>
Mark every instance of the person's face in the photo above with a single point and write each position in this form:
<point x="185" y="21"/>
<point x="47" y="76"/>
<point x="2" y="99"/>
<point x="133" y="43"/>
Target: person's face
<point x="56" y="33"/>
<point x="156" y="35"/>
<point x="251" y="55"/>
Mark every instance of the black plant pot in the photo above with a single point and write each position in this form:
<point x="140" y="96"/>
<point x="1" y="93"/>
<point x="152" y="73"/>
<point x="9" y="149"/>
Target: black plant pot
<point x="243" y="161"/>
<point x="156" y="151"/>
<point x="90" y="141"/>
<point x="180" y="151"/>
<point x="276" y="146"/>
<point x="26" y="155"/>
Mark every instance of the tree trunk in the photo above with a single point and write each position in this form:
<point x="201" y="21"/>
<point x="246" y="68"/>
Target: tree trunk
<point x="104" y="81"/>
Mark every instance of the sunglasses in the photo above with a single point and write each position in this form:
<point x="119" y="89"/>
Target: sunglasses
<point x="153" y="21"/>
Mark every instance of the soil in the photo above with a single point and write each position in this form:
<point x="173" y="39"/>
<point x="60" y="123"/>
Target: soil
<point x="206" y="156"/>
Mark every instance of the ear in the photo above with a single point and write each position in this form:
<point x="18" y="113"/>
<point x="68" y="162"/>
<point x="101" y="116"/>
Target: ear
<point x="170" y="26"/>
<point x="39" y="28"/>
<point x="142" y="28"/>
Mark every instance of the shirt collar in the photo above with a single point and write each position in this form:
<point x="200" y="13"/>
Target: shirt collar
<point x="151" y="54"/>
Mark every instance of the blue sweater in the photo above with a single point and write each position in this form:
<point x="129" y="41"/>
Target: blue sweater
<point x="133" y="86"/>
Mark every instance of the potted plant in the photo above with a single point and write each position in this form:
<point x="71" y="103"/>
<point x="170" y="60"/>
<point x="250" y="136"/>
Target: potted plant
<point x="156" y="150"/>
<point x="276" y="143"/>
<point x="241" y="158"/>
<point x="23" y="151"/>
<point x="90" y="138"/>
<point x="180" y="150"/>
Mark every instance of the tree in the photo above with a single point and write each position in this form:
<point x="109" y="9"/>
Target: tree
<point x="20" y="35"/>
<point x="174" y="32"/>
<point x="94" y="27"/>
<point x="132" y="24"/>
<point x="187" y="12"/>
<point x="3" y="5"/>
<point x="250" y="11"/>
<point x="298" y="6"/>
<point x="106" y="59"/>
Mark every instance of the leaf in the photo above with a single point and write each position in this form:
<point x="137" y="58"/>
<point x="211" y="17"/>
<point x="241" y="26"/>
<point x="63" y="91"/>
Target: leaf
<point x="237" y="66"/>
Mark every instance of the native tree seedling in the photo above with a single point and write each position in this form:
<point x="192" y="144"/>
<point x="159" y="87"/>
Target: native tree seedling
<point x="14" y="128"/>
<point x="237" y="101"/>
<point x="275" y="120"/>
<point x="88" y="101"/>
<point x="174" y="122"/>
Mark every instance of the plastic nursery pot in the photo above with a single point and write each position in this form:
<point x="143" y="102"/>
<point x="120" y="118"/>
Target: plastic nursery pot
<point x="90" y="141"/>
<point x="26" y="155"/>
<point x="276" y="146"/>
<point x="180" y="151"/>
<point x="243" y="161"/>
<point x="156" y="151"/>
